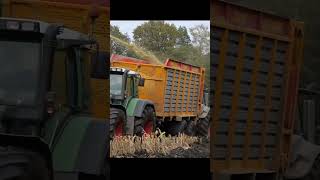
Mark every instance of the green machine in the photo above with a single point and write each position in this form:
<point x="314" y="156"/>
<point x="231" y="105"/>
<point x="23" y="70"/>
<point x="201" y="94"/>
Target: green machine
<point x="128" y="114"/>
<point x="46" y="128"/>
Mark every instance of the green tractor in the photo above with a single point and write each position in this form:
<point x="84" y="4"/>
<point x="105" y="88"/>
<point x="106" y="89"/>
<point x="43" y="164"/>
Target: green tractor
<point x="47" y="130"/>
<point x="129" y="115"/>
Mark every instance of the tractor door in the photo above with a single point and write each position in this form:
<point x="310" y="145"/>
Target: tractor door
<point x="129" y="90"/>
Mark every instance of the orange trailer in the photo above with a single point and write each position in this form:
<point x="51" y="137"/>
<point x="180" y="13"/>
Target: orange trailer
<point x="175" y="88"/>
<point x="256" y="59"/>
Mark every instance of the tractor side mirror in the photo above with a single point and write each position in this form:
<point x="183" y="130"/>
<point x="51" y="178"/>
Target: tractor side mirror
<point x="141" y="82"/>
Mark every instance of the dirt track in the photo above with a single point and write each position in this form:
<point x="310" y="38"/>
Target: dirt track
<point x="197" y="150"/>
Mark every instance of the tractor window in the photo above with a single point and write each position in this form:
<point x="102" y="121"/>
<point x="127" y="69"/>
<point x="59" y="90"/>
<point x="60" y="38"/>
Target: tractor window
<point x="116" y="84"/>
<point x="59" y="82"/>
<point x="19" y="72"/>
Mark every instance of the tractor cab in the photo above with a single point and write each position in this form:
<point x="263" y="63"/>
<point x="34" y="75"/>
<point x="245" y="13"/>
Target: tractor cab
<point x="124" y="84"/>
<point x="47" y="101"/>
<point x="41" y="70"/>
<point x="129" y="114"/>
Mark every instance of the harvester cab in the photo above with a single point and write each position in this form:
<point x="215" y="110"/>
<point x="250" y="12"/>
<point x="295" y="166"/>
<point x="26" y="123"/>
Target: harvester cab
<point x="44" y="98"/>
<point x="128" y="113"/>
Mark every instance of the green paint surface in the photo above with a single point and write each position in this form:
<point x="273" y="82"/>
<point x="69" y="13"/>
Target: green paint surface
<point x="131" y="106"/>
<point x="66" y="151"/>
<point x="51" y="126"/>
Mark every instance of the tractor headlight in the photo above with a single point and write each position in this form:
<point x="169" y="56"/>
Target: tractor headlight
<point x="19" y="25"/>
<point x="13" y="25"/>
<point x="28" y="26"/>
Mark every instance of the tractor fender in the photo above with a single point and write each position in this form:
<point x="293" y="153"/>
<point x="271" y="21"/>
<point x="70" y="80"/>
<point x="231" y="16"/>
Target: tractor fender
<point x="141" y="105"/>
<point x="135" y="108"/>
<point x="82" y="146"/>
<point x="303" y="154"/>
<point x="32" y="143"/>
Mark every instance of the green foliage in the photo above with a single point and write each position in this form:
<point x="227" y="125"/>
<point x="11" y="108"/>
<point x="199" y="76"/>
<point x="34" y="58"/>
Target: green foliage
<point x="165" y="40"/>
<point x="159" y="36"/>
<point x="201" y="38"/>
<point x="183" y="38"/>
<point x="116" y="47"/>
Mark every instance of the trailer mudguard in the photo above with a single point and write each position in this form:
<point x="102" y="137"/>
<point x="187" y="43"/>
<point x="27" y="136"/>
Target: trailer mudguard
<point x="82" y="146"/>
<point x="303" y="155"/>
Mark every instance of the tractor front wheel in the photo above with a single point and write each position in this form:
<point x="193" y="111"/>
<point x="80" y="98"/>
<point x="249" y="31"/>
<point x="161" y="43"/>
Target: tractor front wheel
<point x="22" y="164"/>
<point x="117" y="118"/>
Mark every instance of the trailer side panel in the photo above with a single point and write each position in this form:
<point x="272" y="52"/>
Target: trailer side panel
<point x="255" y="72"/>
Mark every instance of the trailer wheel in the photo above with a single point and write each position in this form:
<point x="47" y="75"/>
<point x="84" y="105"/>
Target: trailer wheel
<point x="174" y="128"/>
<point x="202" y="127"/>
<point x="314" y="174"/>
<point x="117" y="117"/>
<point x="190" y="129"/>
<point x="22" y="164"/>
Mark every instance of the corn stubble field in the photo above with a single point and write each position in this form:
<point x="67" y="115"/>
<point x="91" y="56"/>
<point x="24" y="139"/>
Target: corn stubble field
<point x="159" y="145"/>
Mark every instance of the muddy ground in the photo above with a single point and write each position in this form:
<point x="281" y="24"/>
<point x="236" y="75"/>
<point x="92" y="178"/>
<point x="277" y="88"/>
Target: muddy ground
<point x="200" y="149"/>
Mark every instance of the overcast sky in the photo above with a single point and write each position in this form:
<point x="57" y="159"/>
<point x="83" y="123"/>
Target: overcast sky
<point x="129" y="26"/>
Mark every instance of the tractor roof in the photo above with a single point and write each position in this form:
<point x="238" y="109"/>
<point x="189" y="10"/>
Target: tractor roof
<point x="123" y="70"/>
<point x="41" y="27"/>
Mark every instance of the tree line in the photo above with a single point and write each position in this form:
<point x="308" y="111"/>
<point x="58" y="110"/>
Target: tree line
<point x="166" y="40"/>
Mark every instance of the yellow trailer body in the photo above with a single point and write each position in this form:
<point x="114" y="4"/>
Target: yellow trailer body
<point x="175" y="88"/>
<point x="255" y="61"/>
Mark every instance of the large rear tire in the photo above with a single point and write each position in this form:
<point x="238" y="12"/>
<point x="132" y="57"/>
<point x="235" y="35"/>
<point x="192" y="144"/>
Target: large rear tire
<point x="314" y="174"/>
<point x="175" y="128"/>
<point x="147" y="123"/>
<point x="22" y="164"/>
<point x="190" y="129"/>
<point x="117" y="118"/>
